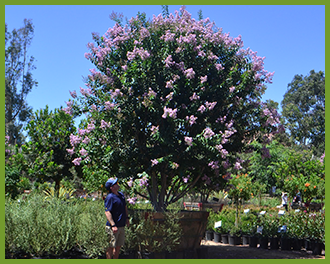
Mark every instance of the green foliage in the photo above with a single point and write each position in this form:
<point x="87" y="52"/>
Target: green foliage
<point x="240" y="187"/>
<point x="227" y="218"/>
<point x="36" y="226"/>
<point x="62" y="194"/>
<point x="24" y="184"/>
<point x="91" y="235"/>
<point x="15" y="167"/>
<point x="248" y="224"/>
<point x="12" y="179"/>
<point x="265" y="161"/>
<point x="300" y="224"/>
<point x="304" y="110"/>
<point x="258" y="189"/>
<point x="46" y="154"/>
<point x="148" y="234"/>
<point x="270" y="224"/>
<point x="302" y="173"/>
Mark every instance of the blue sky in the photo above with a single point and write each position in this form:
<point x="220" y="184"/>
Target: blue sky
<point x="292" y="38"/>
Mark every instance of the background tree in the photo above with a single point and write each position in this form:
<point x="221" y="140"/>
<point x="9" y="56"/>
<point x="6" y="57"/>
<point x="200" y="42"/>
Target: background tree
<point x="304" y="110"/>
<point x="175" y="99"/>
<point x="303" y="172"/>
<point x="46" y="151"/>
<point x="15" y="169"/>
<point x="265" y="161"/>
<point x="18" y="80"/>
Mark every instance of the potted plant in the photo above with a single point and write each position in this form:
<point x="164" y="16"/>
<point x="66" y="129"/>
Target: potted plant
<point x="272" y="229"/>
<point x="296" y="229"/>
<point x="316" y="231"/>
<point x="264" y="231"/>
<point x="224" y="229"/>
<point x="213" y="217"/>
<point x="235" y="235"/>
<point x="285" y="241"/>
<point x="247" y="227"/>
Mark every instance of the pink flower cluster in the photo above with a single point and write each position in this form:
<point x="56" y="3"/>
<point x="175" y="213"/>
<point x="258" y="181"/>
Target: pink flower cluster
<point x="138" y="52"/>
<point x="168" y="36"/>
<point x="194" y="97"/>
<point x="154" y="162"/>
<point x="105" y="125"/>
<point x="132" y="200"/>
<point x="273" y="118"/>
<point x="208" y="133"/>
<point x="214" y="165"/>
<point x="154" y="130"/>
<point x="68" y="109"/>
<point x="73" y="94"/>
<point x="144" y="181"/>
<point x="190" y="74"/>
<point x="109" y="106"/>
<point x="192" y="119"/>
<point x="85" y="92"/>
<point x="238" y="166"/>
<point x="169" y="112"/>
<point x="174" y="165"/>
<point x="188" y="140"/>
<point x="186" y="179"/>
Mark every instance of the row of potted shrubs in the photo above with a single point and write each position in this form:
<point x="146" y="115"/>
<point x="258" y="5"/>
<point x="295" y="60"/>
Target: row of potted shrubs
<point x="295" y="229"/>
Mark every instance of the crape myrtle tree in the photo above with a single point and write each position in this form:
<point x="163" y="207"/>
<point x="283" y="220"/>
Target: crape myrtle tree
<point x="170" y="103"/>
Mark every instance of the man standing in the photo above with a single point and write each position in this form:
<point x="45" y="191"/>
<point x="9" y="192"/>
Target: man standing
<point x="285" y="200"/>
<point x="117" y="216"/>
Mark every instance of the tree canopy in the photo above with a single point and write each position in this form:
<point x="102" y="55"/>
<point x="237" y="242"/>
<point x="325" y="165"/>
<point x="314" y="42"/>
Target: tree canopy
<point x="170" y="97"/>
<point x="46" y="151"/>
<point x="18" y="80"/>
<point x="304" y="110"/>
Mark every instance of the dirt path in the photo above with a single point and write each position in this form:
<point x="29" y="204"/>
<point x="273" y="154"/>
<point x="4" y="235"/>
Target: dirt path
<point x="226" y="251"/>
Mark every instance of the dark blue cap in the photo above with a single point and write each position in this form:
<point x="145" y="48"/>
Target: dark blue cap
<point x="111" y="182"/>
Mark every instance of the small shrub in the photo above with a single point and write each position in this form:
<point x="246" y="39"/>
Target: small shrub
<point x="91" y="236"/>
<point x="36" y="226"/>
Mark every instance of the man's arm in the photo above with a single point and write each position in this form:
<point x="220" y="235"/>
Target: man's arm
<point x="110" y="219"/>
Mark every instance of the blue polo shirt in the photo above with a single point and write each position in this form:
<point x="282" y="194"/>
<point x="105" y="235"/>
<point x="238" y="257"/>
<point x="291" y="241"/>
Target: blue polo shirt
<point x="116" y="204"/>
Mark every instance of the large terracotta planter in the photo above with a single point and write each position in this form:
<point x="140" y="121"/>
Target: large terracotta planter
<point x="193" y="224"/>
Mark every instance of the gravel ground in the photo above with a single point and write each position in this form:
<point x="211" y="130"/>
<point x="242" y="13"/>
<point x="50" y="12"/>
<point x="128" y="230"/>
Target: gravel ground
<point x="226" y="251"/>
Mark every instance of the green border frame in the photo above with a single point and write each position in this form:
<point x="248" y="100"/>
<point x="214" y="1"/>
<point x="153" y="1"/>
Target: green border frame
<point x="148" y="2"/>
